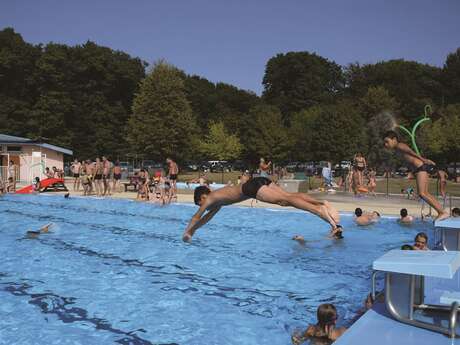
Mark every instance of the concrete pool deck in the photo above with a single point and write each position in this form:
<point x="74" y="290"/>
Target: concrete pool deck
<point x="389" y="206"/>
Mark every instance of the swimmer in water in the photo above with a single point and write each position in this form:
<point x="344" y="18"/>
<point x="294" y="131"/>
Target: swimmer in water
<point x="42" y="230"/>
<point x="405" y="218"/>
<point x="324" y="329"/>
<point x="260" y="188"/>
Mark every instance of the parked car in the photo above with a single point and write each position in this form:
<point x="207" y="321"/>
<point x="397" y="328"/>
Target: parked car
<point x="292" y="166"/>
<point x="219" y="166"/>
<point x="190" y="166"/>
<point x="238" y="166"/>
<point x="453" y="169"/>
<point x="402" y="171"/>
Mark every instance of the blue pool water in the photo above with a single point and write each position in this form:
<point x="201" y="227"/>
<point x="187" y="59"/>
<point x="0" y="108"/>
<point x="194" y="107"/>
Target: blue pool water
<point x="117" y="272"/>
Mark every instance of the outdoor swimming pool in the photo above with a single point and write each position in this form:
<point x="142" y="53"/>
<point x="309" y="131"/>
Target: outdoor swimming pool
<point x="116" y="271"/>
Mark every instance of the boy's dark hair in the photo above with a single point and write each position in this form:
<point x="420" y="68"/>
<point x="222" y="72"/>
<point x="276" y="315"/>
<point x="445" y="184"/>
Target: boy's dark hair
<point x="407" y="247"/>
<point x="456" y="212"/>
<point x="358" y="212"/>
<point x="391" y="135"/>
<point x="422" y="235"/>
<point x="199" y="191"/>
<point x="403" y="212"/>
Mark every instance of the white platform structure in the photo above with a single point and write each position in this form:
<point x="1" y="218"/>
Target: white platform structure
<point x="405" y="273"/>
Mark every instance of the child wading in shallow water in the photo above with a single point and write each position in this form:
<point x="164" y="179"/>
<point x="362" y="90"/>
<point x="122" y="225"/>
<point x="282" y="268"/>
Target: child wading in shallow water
<point x="324" y="332"/>
<point x="422" y="168"/>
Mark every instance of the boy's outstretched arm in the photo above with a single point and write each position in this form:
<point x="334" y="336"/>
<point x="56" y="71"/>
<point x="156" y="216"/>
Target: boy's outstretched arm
<point x="197" y="221"/>
<point x="404" y="148"/>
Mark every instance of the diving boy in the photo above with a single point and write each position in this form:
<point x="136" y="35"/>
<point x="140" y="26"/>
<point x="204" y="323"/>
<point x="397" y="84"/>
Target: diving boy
<point x="422" y="168"/>
<point x="260" y="188"/>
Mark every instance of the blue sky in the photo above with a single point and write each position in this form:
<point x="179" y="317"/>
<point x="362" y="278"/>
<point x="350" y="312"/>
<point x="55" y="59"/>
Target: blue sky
<point x="231" y="41"/>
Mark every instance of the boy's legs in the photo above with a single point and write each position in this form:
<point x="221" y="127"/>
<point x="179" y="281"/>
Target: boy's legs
<point x="275" y="195"/>
<point x="422" y="187"/>
<point x="332" y="212"/>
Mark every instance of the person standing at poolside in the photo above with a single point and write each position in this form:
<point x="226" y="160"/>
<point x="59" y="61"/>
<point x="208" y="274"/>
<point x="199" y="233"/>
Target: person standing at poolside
<point x="264" y="168"/>
<point x="422" y="168"/>
<point x="173" y="171"/>
<point x="98" y="171"/>
<point x="106" y="167"/>
<point x="13" y="172"/>
<point x="260" y="188"/>
<point x="359" y="165"/>
<point x="442" y="176"/>
<point x="75" y="168"/>
<point x="89" y="167"/>
<point x="116" y="177"/>
<point x="372" y="184"/>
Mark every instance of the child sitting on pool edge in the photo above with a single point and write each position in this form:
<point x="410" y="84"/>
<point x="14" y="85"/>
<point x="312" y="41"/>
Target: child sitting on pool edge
<point x="325" y="328"/>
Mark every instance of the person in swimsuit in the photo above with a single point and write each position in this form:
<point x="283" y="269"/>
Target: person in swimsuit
<point x="405" y="218"/>
<point x="106" y="167"/>
<point x="324" y="331"/>
<point x="264" y="168"/>
<point x="423" y="168"/>
<point x="359" y="165"/>
<point x="260" y="188"/>
<point x="442" y="177"/>
<point x="75" y="168"/>
<point x="116" y="177"/>
<point x="372" y="183"/>
<point x="173" y="171"/>
<point x="98" y="171"/>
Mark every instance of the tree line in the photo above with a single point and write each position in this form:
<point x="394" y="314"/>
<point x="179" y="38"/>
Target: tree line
<point x="96" y="101"/>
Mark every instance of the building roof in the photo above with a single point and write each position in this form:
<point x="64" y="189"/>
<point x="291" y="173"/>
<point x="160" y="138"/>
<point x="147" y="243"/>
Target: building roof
<point x="9" y="139"/>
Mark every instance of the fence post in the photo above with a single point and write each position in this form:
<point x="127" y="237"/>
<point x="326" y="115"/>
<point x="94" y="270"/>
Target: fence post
<point x="388" y="178"/>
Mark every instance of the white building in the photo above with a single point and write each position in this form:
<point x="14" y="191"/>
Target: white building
<point x="31" y="157"/>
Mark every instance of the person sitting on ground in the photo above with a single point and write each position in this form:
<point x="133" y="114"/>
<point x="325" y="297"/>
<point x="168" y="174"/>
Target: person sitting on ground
<point x="36" y="185"/>
<point x="421" y="241"/>
<point x="325" y="329"/>
<point x="423" y="167"/>
<point x="456" y="212"/>
<point x="48" y="173"/>
<point x="363" y="219"/>
<point x="2" y="187"/>
<point x="11" y="185"/>
<point x="42" y="230"/>
<point x="405" y="218"/>
<point x="260" y="188"/>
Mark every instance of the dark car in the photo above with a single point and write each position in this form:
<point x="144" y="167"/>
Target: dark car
<point x="238" y="166"/>
<point x="292" y="166"/>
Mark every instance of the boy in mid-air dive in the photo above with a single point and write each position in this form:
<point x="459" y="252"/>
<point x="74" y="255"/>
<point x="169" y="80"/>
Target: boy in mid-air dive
<point x="422" y="169"/>
<point x="260" y="188"/>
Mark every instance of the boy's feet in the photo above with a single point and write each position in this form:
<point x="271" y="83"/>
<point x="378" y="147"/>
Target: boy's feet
<point x="442" y="216"/>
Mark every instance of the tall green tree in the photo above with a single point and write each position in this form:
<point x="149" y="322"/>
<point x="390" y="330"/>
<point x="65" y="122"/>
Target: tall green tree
<point x="220" y="144"/>
<point x="298" y="80"/>
<point x="162" y="123"/>
<point x="412" y="84"/>
<point x="338" y="132"/>
<point x="265" y="135"/>
<point x="440" y="139"/>
<point x="379" y="110"/>
<point x="451" y="77"/>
